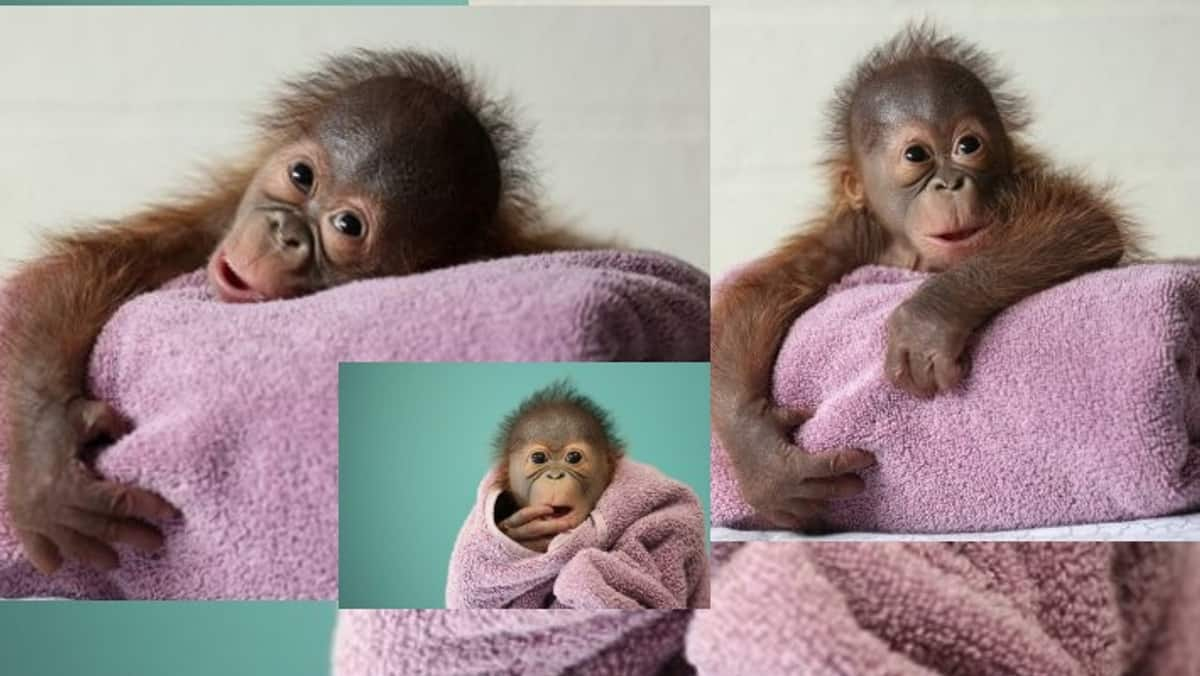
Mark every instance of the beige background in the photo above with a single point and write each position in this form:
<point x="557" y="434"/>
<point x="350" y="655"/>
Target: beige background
<point x="103" y="109"/>
<point x="1114" y="86"/>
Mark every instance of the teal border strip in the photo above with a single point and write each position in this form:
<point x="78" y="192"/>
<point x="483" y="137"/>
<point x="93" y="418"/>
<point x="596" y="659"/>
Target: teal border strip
<point x="178" y="638"/>
<point x="251" y="3"/>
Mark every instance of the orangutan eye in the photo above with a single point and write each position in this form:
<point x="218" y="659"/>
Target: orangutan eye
<point x="916" y="154"/>
<point x="968" y="145"/>
<point x="538" y="458"/>
<point x="348" y="224"/>
<point x="302" y="176"/>
<point x="574" y="457"/>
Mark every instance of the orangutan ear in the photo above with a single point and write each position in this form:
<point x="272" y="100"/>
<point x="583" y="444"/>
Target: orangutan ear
<point x="852" y="188"/>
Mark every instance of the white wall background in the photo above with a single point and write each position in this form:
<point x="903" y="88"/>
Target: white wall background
<point x="104" y="109"/>
<point x="1115" y="85"/>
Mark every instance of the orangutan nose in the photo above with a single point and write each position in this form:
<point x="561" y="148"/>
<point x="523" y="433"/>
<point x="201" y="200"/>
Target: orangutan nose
<point x="948" y="180"/>
<point x="292" y="237"/>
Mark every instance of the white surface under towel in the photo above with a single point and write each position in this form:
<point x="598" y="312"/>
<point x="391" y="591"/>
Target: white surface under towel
<point x="1178" y="527"/>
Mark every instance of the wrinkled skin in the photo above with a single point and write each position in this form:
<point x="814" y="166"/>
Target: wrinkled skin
<point x="353" y="200"/>
<point x="825" y="476"/>
<point x="69" y="510"/>
<point x="931" y="150"/>
<point x="558" y="466"/>
<point x="926" y="349"/>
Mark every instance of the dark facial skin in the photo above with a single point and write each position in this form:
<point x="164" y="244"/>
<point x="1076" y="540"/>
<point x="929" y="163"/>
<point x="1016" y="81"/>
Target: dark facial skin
<point x="559" y="464"/>
<point x="559" y="461"/>
<point x="395" y="177"/>
<point x="930" y="148"/>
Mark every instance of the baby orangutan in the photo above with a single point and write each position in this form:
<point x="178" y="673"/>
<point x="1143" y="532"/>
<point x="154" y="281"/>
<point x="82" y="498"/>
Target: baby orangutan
<point x="555" y="455"/>
<point x="928" y="170"/>
<point x="564" y="519"/>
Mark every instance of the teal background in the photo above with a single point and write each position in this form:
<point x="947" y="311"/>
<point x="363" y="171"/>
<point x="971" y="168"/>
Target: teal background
<point x="238" y="2"/>
<point x="183" y="638"/>
<point x="415" y="441"/>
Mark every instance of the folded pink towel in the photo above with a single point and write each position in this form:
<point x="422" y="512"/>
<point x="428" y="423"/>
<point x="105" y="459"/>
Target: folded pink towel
<point x="1086" y="609"/>
<point x="847" y="609"/>
<point x="510" y="642"/>
<point x="643" y="546"/>
<point x="1082" y="405"/>
<point x="235" y="406"/>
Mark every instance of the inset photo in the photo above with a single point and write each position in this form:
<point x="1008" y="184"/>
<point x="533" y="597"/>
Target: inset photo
<point x="500" y="485"/>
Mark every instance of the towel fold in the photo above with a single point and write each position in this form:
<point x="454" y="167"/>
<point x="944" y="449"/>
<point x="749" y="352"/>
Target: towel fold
<point x="510" y="642"/>
<point x="643" y="546"/>
<point x="825" y="609"/>
<point x="235" y="406"/>
<point x="1082" y="405"/>
<point x="838" y="609"/>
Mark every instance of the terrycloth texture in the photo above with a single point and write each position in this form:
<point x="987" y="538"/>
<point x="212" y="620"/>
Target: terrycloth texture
<point x="643" y="546"/>
<point x="235" y="406"/>
<point x="510" y="642"/>
<point x="1062" y="609"/>
<point x="1082" y="405"/>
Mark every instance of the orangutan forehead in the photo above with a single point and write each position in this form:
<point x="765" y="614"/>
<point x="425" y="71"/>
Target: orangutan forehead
<point x="556" y="425"/>
<point x="397" y="135"/>
<point x="930" y="92"/>
<point x="391" y="107"/>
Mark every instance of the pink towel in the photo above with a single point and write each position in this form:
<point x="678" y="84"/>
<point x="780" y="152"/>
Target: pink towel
<point x="643" y="546"/>
<point x="235" y="406"/>
<point x="1084" y="609"/>
<point x="846" y="609"/>
<point x="510" y="642"/>
<point x="1082" y="405"/>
